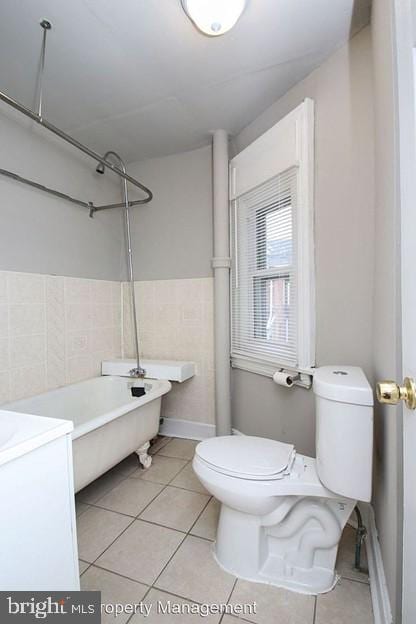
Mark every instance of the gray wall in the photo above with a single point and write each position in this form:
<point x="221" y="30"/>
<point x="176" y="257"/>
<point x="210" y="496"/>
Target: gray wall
<point x="172" y="236"/>
<point x="386" y="347"/>
<point x="344" y="238"/>
<point x="43" y="234"/>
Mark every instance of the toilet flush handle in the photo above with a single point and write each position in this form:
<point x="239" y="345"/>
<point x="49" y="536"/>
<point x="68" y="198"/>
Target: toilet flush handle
<point x="392" y="393"/>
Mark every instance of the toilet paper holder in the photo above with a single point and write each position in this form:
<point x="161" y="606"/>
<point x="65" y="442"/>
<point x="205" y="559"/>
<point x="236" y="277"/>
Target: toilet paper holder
<point x="290" y="378"/>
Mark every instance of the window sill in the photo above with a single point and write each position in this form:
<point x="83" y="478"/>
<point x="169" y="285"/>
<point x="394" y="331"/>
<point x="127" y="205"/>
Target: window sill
<point x="268" y="369"/>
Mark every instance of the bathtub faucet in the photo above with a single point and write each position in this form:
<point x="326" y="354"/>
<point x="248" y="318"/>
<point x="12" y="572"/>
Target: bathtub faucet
<point x="137" y="372"/>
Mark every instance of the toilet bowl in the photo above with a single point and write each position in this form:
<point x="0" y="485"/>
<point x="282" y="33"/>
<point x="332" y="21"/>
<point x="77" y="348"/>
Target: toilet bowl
<point x="282" y="513"/>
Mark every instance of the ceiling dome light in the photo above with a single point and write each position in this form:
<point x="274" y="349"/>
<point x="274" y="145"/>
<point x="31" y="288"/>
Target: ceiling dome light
<point x="214" y="17"/>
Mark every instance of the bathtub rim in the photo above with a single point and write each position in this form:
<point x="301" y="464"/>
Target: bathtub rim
<point x="159" y="387"/>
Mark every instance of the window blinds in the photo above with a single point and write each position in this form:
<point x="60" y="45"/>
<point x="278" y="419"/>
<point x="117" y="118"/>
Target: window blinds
<point x="264" y="298"/>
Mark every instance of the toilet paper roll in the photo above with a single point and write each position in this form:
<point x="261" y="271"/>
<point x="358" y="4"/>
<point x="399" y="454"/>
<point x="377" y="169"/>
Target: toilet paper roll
<point x="283" y="378"/>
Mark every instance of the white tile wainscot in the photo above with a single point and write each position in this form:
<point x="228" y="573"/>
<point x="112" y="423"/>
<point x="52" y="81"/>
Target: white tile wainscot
<point x="175" y="320"/>
<point x="54" y="330"/>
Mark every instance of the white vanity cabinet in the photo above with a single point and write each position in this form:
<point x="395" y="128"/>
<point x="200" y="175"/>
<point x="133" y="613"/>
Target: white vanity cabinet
<point x="38" y="547"/>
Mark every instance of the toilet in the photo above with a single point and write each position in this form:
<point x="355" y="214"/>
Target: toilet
<point x="282" y="513"/>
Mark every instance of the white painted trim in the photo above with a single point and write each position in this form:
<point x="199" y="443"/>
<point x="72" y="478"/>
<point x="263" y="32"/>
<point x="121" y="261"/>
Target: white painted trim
<point x="378" y="584"/>
<point x="178" y="428"/>
<point x="268" y="370"/>
<point x="289" y="143"/>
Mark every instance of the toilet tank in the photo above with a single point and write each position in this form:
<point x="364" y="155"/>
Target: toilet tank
<point x="344" y="430"/>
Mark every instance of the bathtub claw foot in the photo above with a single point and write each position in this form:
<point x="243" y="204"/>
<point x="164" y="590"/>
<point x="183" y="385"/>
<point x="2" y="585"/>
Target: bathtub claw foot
<point x="144" y="458"/>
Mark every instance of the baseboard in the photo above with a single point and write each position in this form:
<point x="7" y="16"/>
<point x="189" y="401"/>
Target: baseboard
<point x="378" y="585"/>
<point x="237" y="432"/>
<point x="177" y="428"/>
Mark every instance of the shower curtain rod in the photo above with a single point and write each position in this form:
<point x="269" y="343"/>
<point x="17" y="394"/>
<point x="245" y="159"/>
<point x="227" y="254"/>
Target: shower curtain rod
<point x="82" y="148"/>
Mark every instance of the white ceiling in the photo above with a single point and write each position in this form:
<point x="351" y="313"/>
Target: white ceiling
<point x="137" y="77"/>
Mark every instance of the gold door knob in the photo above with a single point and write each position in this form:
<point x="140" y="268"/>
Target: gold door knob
<point x="392" y="393"/>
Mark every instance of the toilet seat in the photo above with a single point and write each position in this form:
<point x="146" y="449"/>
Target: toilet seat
<point x="247" y="457"/>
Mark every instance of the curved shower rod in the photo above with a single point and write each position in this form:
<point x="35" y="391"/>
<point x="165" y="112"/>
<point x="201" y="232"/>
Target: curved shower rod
<point x="83" y="148"/>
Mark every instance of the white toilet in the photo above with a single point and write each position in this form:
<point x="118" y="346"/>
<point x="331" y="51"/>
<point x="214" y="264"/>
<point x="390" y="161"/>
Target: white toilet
<point x="282" y="514"/>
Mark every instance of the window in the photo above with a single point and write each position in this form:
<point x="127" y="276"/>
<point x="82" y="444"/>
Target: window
<point x="272" y="271"/>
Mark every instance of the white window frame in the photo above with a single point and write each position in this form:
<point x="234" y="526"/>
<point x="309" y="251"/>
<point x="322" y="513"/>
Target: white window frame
<point x="287" y="144"/>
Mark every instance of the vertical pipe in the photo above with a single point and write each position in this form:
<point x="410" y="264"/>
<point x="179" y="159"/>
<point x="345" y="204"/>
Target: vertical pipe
<point x="46" y="25"/>
<point x="221" y="264"/>
<point x="137" y="370"/>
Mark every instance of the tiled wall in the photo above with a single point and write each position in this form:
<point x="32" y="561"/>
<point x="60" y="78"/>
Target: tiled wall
<point x="54" y="331"/>
<point x="176" y="322"/>
<point x="57" y="330"/>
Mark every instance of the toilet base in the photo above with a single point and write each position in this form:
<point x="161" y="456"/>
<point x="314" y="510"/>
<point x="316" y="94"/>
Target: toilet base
<point x="294" y="547"/>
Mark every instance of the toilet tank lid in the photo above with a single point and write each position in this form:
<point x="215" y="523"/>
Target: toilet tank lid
<point x="345" y="384"/>
<point x="246" y="456"/>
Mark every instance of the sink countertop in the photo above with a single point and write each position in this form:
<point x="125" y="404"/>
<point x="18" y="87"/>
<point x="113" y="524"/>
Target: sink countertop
<point x="22" y="433"/>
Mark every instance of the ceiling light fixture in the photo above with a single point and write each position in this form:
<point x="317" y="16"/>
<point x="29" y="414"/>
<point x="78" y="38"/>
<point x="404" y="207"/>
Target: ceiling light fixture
<point x="214" y="17"/>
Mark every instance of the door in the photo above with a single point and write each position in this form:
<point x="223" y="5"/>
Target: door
<point x="406" y="66"/>
<point x="406" y="142"/>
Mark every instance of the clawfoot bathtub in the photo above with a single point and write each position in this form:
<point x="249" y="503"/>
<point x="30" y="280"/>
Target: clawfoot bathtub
<point x="109" y="423"/>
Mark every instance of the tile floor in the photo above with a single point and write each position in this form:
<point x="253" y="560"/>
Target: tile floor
<point x="147" y="536"/>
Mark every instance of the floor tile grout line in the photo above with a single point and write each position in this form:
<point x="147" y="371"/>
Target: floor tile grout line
<point x="124" y="576"/>
<point x="354" y="580"/>
<point x="136" y="517"/>
<point x="115" y="539"/>
<point x="238" y="618"/>
<point x="165" y="526"/>
<point x="104" y="494"/>
<point x="170" y="593"/>
<point x="187" y="459"/>
<point x="153" y="499"/>
<point x="170" y="481"/>
<point x="121" y="513"/>
<point x="108" y="491"/>
<point x="169" y="560"/>
<point x="87" y="568"/>
<point x="179" y="471"/>
<point x="162" y="526"/>
<point x="180" y="487"/>
<point x="173" y="440"/>
<point x="315" y="607"/>
<point x="149" y="589"/>
<point x="163" y="445"/>
<point x="232" y="590"/>
<point x="170" y="484"/>
<point x="242" y="619"/>
<point x="206" y="539"/>
<point x="200" y="514"/>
